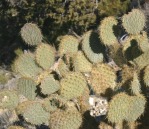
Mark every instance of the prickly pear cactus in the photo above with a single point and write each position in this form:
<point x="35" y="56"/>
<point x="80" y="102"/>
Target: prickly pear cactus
<point x="58" y="83"/>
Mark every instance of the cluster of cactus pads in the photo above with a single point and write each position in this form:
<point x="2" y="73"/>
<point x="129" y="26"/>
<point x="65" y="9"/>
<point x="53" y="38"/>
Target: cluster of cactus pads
<point x="56" y="84"/>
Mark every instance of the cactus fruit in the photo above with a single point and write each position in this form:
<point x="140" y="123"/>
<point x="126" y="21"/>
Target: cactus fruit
<point x="106" y="31"/>
<point x="81" y="64"/>
<point x="134" y="22"/>
<point x="45" y="56"/>
<point x="35" y="114"/>
<point x="137" y="107"/>
<point x="118" y="108"/>
<point x="49" y="85"/>
<point x="26" y="65"/>
<point x="31" y="34"/>
<point x="135" y="85"/>
<point x="8" y="99"/>
<point x="146" y="76"/>
<point x="53" y="102"/>
<point x="27" y="87"/>
<point x="103" y="77"/>
<point x="68" y="45"/>
<point x="65" y="119"/>
<point x="70" y="85"/>
<point x="91" y="47"/>
<point x="15" y="127"/>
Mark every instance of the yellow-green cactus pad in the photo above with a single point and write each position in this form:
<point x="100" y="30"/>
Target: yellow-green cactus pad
<point x="15" y="127"/>
<point x="118" y="108"/>
<point x="137" y="107"/>
<point x="146" y="76"/>
<point x="65" y="119"/>
<point x="8" y="99"/>
<point x="45" y="56"/>
<point x="81" y="64"/>
<point x="26" y="65"/>
<point x="49" y="85"/>
<point x="142" y="60"/>
<point x="31" y="34"/>
<point x="27" y="87"/>
<point x="73" y="85"/>
<point x="35" y="114"/>
<point x="68" y="45"/>
<point x="134" y="21"/>
<point x="135" y="85"/>
<point x="63" y="69"/>
<point x="102" y="78"/>
<point x="106" y="31"/>
<point x="92" y="47"/>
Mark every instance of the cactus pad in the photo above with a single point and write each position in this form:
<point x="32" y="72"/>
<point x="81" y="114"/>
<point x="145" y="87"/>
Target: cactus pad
<point x="8" y="99"/>
<point x="73" y="85"/>
<point x="137" y="107"/>
<point x="49" y="85"/>
<point x="92" y="47"/>
<point x="106" y="31"/>
<point x="102" y="78"/>
<point x="69" y="119"/>
<point x="146" y="76"/>
<point x="35" y="114"/>
<point x="45" y="56"/>
<point x="81" y="64"/>
<point x="26" y="65"/>
<point x="118" y="108"/>
<point x="134" y="22"/>
<point x="27" y="88"/>
<point x="135" y="85"/>
<point x="31" y="34"/>
<point x="68" y="45"/>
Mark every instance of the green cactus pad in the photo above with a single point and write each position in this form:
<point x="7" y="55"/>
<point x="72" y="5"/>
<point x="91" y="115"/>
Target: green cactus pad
<point x="81" y="64"/>
<point x="142" y="60"/>
<point x="134" y="22"/>
<point x="146" y="76"/>
<point x="35" y="114"/>
<point x="49" y="85"/>
<point x="45" y="56"/>
<point x="15" y="127"/>
<point x="73" y="85"/>
<point x="135" y="85"/>
<point x="65" y="119"/>
<point x="63" y="69"/>
<point x="8" y="99"/>
<point x="102" y="78"/>
<point x="106" y="31"/>
<point x="53" y="102"/>
<point x="118" y="108"/>
<point x="68" y="45"/>
<point x="137" y="107"/>
<point x="31" y="34"/>
<point x="27" y="87"/>
<point x="92" y="47"/>
<point x="26" y="66"/>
